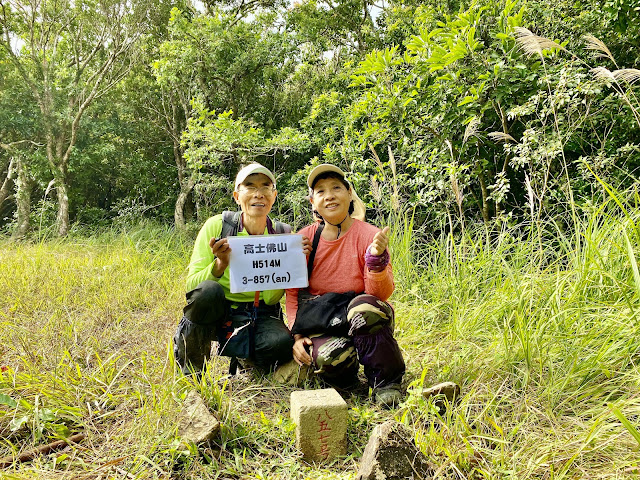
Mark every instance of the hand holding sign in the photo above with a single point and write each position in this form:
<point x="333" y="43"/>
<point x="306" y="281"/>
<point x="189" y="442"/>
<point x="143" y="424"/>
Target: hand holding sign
<point x="221" y="250"/>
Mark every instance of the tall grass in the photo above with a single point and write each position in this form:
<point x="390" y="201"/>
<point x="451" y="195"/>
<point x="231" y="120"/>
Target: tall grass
<point x="85" y="336"/>
<point x="84" y="325"/>
<point x="539" y="324"/>
<point x="543" y="341"/>
<point x="545" y="346"/>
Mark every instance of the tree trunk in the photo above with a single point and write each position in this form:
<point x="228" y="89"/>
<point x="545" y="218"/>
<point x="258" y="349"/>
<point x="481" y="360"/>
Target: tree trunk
<point x="63" y="209"/>
<point x="23" y="199"/>
<point x="189" y="208"/>
<point x="62" y="189"/>
<point x="5" y="191"/>
<point x="485" y="198"/>
<point x="58" y="149"/>
<point x="185" y="189"/>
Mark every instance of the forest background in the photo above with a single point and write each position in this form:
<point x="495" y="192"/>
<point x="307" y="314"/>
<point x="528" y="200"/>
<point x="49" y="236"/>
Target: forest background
<point x="499" y="139"/>
<point x="491" y="111"/>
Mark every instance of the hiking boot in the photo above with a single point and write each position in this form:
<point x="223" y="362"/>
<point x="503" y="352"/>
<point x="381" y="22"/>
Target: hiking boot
<point x="191" y="347"/>
<point x="389" y="396"/>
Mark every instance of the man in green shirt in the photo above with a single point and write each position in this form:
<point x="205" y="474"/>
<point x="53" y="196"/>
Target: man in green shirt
<point x="247" y="325"/>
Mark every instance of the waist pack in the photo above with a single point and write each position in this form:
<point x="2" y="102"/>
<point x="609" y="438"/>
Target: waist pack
<point x="235" y="336"/>
<point x="322" y="313"/>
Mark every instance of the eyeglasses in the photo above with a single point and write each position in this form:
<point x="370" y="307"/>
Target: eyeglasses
<point x="266" y="190"/>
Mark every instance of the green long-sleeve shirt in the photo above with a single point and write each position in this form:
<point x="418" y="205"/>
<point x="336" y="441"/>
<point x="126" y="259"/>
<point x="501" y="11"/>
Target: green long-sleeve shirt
<point x="202" y="261"/>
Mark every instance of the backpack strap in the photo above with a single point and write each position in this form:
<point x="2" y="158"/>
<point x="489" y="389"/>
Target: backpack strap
<point x="282" y="227"/>
<point x="230" y="227"/>
<point x="314" y="247"/>
<point x="230" y="224"/>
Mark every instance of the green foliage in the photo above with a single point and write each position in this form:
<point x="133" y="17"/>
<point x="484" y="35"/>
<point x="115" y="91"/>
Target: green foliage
<point x="477" y="126"/>
<point x="428" y="99"/>
<point x="213" y="140"/>
<point x="228" y="65"/>
<point x="345" y="25"/>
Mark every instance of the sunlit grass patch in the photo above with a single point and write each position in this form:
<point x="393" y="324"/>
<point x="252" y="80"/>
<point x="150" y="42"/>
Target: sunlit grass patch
<point x="539" y="327"/>
<point x="85" y="327"/>
<point x="543" y="337"/>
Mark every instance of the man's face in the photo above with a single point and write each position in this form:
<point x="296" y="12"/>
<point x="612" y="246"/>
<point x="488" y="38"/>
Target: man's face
<point x="255" y="195"/>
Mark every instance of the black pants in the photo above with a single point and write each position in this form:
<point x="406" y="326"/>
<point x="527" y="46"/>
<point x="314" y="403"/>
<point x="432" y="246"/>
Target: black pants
<point x="207" y="310"/>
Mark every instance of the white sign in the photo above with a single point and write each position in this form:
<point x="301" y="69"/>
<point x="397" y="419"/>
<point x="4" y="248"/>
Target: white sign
<point x="267" y="262"/>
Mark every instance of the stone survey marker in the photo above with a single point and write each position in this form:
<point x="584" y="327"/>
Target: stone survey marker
<point x="321" y="423"/>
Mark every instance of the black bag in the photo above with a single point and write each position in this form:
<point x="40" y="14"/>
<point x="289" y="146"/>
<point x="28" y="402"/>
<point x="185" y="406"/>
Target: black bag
<point x="322" y="313"/>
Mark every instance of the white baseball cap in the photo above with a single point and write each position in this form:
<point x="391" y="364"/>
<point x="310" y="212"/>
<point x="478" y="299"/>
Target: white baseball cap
<point x="250" y="170"/>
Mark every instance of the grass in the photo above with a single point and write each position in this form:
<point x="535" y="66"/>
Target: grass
<point x="544" y="342"/>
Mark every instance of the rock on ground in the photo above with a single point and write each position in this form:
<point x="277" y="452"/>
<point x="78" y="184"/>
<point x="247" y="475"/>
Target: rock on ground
<point x="196" y="423"/>
<point x="291" y="373"/>
<point x="392" y="454"/>
<point x="450" y="390"/>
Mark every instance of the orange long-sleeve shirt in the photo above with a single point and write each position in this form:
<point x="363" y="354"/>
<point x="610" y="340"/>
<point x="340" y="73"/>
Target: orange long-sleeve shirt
<point x="339" y="266"/>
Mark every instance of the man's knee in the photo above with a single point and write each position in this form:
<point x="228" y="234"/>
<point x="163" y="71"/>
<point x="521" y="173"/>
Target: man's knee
<point x="367" y="314"/>
<point x="205" y="303"/>
<point x="273" y="343"/>
<point x="206" y="292"/>
<point x="283" y="342"/>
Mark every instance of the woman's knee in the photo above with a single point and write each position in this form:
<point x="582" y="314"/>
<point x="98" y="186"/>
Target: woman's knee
<point x="381" y="356"/>
<point x="367" y="314"/>
<point x="333" y="355"/>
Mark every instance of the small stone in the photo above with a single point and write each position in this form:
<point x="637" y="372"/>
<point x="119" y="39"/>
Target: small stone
<point x="391" y="454"/>
<point x="196" y="423"/>
<point x="291" y="373"/>
<point x="450" y="390"/>
<point x="321" y="423"/>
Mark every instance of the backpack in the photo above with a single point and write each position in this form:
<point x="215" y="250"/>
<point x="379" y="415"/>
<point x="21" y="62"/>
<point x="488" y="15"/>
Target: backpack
<point x="231" y="223"/>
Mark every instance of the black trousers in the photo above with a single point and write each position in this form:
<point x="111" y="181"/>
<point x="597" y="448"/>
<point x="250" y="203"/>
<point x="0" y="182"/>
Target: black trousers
<point x="207" y="310"/>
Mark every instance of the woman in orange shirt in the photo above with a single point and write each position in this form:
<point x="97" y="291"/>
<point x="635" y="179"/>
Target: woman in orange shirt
<point x="351" y="255"/>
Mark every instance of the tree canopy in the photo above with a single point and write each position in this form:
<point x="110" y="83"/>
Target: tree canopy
<point x="489" y="111"/>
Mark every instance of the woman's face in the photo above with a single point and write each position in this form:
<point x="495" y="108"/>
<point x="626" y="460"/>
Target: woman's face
<point x="331" y="199"/>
